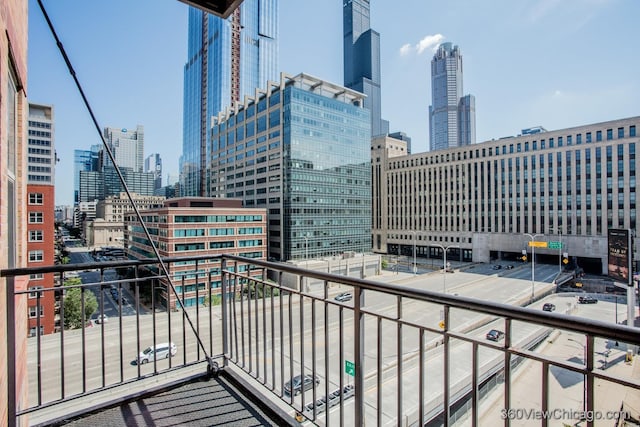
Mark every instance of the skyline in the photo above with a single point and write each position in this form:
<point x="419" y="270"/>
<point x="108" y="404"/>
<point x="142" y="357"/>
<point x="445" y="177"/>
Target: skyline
<point x="541" y="62"/>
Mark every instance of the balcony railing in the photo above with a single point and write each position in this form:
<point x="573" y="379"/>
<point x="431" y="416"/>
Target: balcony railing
<point x="390" y="355"/>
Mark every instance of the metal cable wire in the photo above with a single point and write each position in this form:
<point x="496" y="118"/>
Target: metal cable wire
<point x="165" y="272"/>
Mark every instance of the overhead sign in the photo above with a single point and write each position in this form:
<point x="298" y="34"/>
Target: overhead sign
<point x="538" y="244"/>
<point x="554" y="245"/>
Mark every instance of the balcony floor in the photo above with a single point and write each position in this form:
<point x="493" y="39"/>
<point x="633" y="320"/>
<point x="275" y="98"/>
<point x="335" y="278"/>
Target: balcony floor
<point x="212" y="402"/>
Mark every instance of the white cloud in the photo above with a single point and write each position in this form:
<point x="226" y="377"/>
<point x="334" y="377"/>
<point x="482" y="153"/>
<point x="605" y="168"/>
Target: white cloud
<point x="405" y="49"/>
<point x="428" y="42"/>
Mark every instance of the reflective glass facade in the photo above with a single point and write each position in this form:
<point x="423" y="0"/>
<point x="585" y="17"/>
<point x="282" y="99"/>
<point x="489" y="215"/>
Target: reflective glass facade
<point x="227" y="60"/>
<point x="302" y="151"/>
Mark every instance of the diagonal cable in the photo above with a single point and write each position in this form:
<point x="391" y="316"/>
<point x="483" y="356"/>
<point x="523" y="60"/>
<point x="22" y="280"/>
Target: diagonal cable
<point x="165" y="272"/>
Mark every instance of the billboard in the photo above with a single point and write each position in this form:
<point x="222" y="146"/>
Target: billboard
<point x="619" y="251"/>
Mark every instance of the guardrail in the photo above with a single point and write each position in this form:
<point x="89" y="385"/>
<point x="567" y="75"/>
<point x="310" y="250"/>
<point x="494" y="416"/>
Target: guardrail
<point x="275" y="333"/>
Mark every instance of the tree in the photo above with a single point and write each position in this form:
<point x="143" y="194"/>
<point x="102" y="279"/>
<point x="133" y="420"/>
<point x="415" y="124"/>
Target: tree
<point x="215" y="300"/>
<point x="73" y="304"/>
<point x="384" y="263"/>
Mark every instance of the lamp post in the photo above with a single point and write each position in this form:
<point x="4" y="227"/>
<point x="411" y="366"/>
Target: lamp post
<point x="533" y="260"/>
<point x="415" y="267"/>
<point x="444" y="250"/>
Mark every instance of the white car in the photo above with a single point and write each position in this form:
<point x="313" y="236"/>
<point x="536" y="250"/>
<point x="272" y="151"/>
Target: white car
<point x="160" y="351"/>
<point x="102" y="318"/>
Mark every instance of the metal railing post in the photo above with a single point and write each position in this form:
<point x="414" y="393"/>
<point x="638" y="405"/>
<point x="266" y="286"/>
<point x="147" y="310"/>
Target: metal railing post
<point x="358" y="351"/>
<point x="11" y="350"/>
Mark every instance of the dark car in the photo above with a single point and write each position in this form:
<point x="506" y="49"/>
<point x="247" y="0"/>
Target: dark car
<point x="587" y="300"/>
<point x="497" y="267"/>
<point x="300" y="385"/>
<point x="495" y="335"/>
<point x="509" y="267"/>
<point x="549" y="307"/>
<point x="344" y="296"/>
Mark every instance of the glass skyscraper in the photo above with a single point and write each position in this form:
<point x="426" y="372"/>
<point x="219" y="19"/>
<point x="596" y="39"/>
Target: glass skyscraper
<point x="303" y="151"/>
<point x="228" y="59"/>
<point x="362" y="60"/>
<point x="452" y="121"/>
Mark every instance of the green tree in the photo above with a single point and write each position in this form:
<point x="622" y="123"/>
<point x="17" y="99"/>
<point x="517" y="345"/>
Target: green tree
<point x="215" y="300"/>
<point x="73" y="304"/>
<point x="384" y="263"/>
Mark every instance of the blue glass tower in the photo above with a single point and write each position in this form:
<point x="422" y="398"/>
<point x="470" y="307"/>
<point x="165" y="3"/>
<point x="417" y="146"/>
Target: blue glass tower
<point x="227" y="59"/>
<point x="362" y="60"/>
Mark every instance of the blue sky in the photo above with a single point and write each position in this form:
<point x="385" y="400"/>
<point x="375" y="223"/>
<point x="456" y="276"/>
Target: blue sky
<point x="555" y="63"/>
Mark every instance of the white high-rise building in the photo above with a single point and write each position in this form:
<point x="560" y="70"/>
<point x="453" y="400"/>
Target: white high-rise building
<point x="127" y="147"/>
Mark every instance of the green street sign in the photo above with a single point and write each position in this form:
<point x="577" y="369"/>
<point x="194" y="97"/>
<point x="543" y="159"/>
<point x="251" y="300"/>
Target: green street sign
<point x="554" y="245"/>
<point x="350" y="368"/>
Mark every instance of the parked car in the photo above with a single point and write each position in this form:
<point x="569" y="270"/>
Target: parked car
<point x="495" y="335"/>
<point x="300" y="385"/>
<point x="548" y="307"/>
<point x="344" y="296"/>
<point x="587" y="300"/>
<point x="160" y="351"/>
<point x="497" y="267"/>
<point x="102" y="318"/>
<point x="509" y="267"/>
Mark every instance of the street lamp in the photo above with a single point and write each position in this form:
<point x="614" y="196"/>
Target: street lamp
<point x="444" y="250"/>
<point x="415" y="267"/>
<point x="533" y="259"/>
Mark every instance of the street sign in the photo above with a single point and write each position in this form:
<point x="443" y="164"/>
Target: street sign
<point x="350" y="368"/>
<point x="537" y="244"/>
<point x="554" y="245"/>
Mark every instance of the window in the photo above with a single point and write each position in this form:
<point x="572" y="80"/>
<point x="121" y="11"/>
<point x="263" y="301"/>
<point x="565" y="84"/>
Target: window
<point x="33" y="291"/>
<point x="36" y="235"/>
<point x="34" y="310"/>
<point x="598" y="136"/>
<point x="609" y="134"/>
<point x="632" y="130"/>
<point x="36" y="276"/>
<point x="35" y="198"/>
<point x="36" y="256"/>
<point x="32" y="331"/>
<point x="36" y="217"/>
<point x="620" y="132"/>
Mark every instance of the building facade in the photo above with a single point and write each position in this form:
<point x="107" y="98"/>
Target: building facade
<point x="572" y="185"/>
<point x="153" y="164"/>
<point x="107" y="228"/>
<point x="452" y="120"/>
<point x="301" y="149"/>
<point x="127" y="147"/>
<point x="193" y="227"/>
<point x="85" y="161"/>
<point x="41" y="217"/>
<point x="227" y="59"/>
<point x="13" y="203"/>
<point x="361" y="57"/>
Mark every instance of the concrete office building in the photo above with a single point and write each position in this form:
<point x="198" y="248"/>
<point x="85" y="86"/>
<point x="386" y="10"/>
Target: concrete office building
<point x="572" y="185"/>
<point x="41" y="162"/>
<point x="361" y="57"/>
<point x="127" y="147"/>
<point x="198" y="226"/>
<point x="301" y="149"/>
<point x="227" y="59"/>
<point x="107" y="228"/>
<point x="452" y="115"/>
